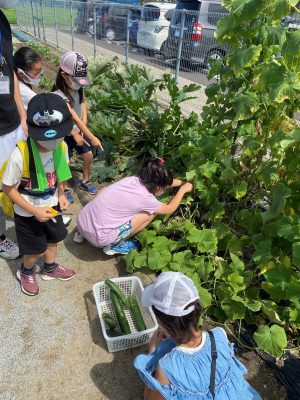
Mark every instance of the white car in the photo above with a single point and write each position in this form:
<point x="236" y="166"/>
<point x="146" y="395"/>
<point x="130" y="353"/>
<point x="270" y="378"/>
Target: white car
<point x="154" y="26"/>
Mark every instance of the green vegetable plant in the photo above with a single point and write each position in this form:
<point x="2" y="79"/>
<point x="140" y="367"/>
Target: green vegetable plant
<point x="125" y="112"/>
<point x="238" y="235"/>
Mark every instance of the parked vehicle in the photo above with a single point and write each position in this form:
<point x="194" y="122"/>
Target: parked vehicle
<point x="101" y="18"/>
<point x="199" y="44"/>
<point x="116" y="23"/>
<point x="154" y="25"/>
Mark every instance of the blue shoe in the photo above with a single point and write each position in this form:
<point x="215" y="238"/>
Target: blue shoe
<point x="70" y="198"/>
<point x="123" y="247"/>
<point x="88" y="187"/>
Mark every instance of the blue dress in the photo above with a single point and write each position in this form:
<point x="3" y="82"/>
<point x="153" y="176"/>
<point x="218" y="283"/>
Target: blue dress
<point x="189" y="373"/>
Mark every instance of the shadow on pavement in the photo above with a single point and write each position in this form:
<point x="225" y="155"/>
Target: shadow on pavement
<point x="118" y="379"/>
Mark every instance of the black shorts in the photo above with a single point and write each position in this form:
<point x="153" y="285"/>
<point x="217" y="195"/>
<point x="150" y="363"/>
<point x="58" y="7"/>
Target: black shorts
<point x="33" y="236"/>
<point x="72" y="145"/>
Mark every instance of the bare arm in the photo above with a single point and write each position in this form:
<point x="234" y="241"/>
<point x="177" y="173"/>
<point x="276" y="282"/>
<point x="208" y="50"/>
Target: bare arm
<point x="84" y="111"/>
<point x="176" y="200"/>
<point x="177" y="183"/>
<point x="20" y="105"/>
<point x="84" y="129"/>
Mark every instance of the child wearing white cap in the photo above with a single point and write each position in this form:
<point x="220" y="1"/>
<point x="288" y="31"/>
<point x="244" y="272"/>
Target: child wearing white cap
<point x="184" y="362"/>
<point x="71" y="78"/>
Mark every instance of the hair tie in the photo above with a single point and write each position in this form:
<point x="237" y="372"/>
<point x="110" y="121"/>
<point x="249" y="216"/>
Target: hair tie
<point x="161" y="160"/>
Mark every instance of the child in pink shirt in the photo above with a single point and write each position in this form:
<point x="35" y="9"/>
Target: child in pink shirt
<point x="126" y="207"/>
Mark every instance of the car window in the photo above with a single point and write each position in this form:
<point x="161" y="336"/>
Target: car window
<point x="192" y="6"/>
<point x="169" y="15"/>
<point x="119" y="11"/>
<point x="150" y="13"/>
<point x="215" y="12"/>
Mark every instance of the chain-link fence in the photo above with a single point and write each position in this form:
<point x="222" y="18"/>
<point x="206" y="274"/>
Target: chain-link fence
<point x="164" y="35"/>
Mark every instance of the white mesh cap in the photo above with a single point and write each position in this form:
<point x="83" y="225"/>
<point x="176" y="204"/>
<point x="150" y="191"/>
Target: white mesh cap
<point x="171" y="293"/>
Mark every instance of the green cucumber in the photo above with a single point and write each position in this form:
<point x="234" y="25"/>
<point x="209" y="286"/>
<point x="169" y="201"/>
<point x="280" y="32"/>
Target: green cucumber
<point x="120" y="313"/>
<point x="113" y="333"/>
<point x="136" y="313"/>
<point x="114" y="288"/>
<point x="110" y="322"/>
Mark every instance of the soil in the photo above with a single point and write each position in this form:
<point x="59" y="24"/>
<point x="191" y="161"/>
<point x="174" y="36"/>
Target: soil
<point x="57" y="348"/>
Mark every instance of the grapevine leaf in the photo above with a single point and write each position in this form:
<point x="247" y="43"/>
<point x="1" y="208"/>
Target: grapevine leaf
<point x="291" y="47"/>
<point x="140" y="259"/>
<point x="271" y="339"/>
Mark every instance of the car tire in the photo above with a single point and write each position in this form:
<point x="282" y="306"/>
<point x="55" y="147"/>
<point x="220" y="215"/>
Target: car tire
<point x="110" y="34"/>
<point x="148" y="52"/>
<point x="215" y="54"/>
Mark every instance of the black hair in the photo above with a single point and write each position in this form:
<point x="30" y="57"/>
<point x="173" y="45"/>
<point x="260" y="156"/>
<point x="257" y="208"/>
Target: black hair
<point x="60" y="84"/>
<point x="180" y="328"/>
<point x="154" y="175"/>
<point x="25" y="58"/>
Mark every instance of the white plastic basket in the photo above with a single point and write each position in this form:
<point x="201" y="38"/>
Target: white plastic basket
<point x="130" y="285"/>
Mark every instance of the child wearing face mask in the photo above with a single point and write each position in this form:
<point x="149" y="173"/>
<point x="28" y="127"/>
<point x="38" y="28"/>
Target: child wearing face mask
<point x="33" y="180"/>
<point x="70" y="80"/>
<point x="28" y="66"/>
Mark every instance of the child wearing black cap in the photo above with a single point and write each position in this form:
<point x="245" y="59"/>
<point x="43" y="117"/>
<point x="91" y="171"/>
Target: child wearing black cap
<point x="34" y="180"/>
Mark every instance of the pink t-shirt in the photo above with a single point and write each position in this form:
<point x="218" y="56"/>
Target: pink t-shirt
<point x="113" y="207"/>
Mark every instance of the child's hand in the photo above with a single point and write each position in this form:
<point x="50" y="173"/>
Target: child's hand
<point x="187" y="187"/>
<point x="96" y="142"/>
<point x="80" y="141"/>
<point x="63" y="202"/>
<point x="43" y="214"/>
<point x="158" y="336"/>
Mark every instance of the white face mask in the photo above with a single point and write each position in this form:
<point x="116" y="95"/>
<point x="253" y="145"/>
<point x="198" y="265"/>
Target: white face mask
<point x="31" y="81"/>
<point x="8" y="3"/>
<point x="50" y="144"/>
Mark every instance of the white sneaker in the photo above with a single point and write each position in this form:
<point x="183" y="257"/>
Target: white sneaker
<point x="78" y="238"/>
<point x="66" y="220"/>
<point x="8" y="249"/>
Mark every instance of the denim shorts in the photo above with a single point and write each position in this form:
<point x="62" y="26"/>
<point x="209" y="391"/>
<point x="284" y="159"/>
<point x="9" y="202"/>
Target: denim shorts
<point x="123" y="232"/>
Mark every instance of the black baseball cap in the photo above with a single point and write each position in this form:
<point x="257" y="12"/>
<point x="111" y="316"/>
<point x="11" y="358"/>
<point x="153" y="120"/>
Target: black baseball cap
<point x="48" y="117"/>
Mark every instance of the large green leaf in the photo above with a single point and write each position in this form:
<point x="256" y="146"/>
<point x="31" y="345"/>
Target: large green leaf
<point x="278" y="8"/>
<point x="275" y="35"/>
<point x="236" y="281"/>
<point x="291" y="48"/>
<point x="279" y="194"/>
<point x="228" y="174"/>
<point x="205" y="239"/>
<point x="296" y="254"/>
<point x="270" y="310"/>
<point x="205" y="297"/>
<point x="244" y="58"/>
<point x="239" y="190"/>
<point x="208" y="169"/>
<point x="233" y="309"/>
<point x="245" y="105"/>
<point x="158" y="259"/>
<point x="291" y="139"/>
<point x="271" y="339"/>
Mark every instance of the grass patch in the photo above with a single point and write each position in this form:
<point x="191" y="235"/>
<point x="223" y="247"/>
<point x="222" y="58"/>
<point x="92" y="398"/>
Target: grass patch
<point x="11" y="15"/>
<point x="63" y="15"/>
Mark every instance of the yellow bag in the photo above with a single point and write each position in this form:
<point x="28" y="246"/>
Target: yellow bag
<point x="5" y="202"/>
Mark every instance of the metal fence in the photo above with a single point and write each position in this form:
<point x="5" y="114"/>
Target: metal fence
<point x="159" y="36"/>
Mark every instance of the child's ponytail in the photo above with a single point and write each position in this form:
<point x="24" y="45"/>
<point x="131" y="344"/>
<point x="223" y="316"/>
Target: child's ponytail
<point x="154" y="175"/>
